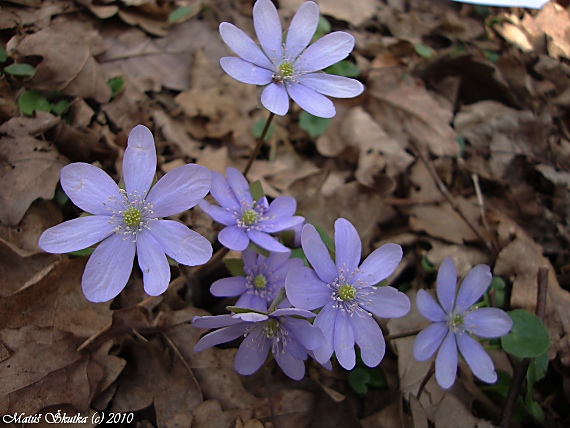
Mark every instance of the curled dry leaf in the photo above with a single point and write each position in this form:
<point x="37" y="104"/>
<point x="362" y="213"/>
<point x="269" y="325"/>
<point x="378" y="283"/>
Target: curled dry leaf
<point x="408" y="111"/>
<point x="68" y="66"/>
<point x="31" y="166"/>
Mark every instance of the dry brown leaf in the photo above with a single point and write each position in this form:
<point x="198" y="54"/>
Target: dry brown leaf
<point x="209" y="414"/>
<point x="67" y="47"/>
<point x="338" y="9"/>
<point x="44" y="368"/>
<point x="56" y="301"/>
<point x="452" y="413"/>
<point x="30" y="166"/>
<point x="174" y="132"/>
<point x="554" y="22"/>
<point x="388" y="417"/>
<point x="378" y="152"/>
<point x="408" y="111"/>
<point x="154" y="63"/>
<point x="518" y="262"/>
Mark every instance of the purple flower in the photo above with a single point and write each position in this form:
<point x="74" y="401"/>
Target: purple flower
<point x="347" y="294"/>
<point x="246" y="219"/>
<point x="265" y="276"/>
<point x="291" y="69"/>
<point x="288" y="337"/>
<point x="454" y="320"/>
<point x="126" y="222"/>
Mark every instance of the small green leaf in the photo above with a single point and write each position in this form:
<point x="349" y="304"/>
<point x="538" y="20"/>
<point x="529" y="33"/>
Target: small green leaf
<point x="258" y="249"/>
<point x="256" y="190"/>
<point x="457" y="50"/>
<point x="423" y="50"/>
<point x="535" y="410"/>
<point x="20" y="70"/>
<point x="238" y="310"/>
<point x="344" y="68"/>
<point x="481" y="10"/>
<point x="116" y="84"/>
<point x="377" y="378"/>
<point x="178" y="14"/>
<point x="59" y="108"/>
<point x="357" y="380"/>
<point x="235" y="266"/>
<point x="461" y="143"/>
<point x="491" y="56"/>
<point x="313" y="125"/>
<point x="427" y="265"/>
<point x="528" y="337"/>
<point x="501" y="386"/>
<point x="300" y="254"/>
<point x="323" y="27"/>
<point x="537" y="368"/>
<point x="3" y="55"/>
<point x="498" y="288"/>
<point x="82" y="253"/>
<point x="33" y="100"/>
<point x="257" y="129"/>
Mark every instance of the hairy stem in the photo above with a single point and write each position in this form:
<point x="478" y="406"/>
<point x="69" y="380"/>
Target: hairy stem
<point x="259" y="144"/>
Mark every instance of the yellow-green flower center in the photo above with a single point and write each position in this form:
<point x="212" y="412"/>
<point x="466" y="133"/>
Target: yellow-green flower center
<point x="132" y="217"/>
<point x="347" y="292"/>
<point x="286" y="69"/>
<point x="271" y="328"/>
<point x="249" y="216"/>
<point x="455" y="321"/>
<point x="260" y="281"/>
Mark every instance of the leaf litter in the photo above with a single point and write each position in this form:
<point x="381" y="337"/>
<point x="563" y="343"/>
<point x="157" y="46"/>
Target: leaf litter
<point x="482" y="103"/>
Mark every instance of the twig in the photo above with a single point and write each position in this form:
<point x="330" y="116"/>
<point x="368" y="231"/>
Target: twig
<point x="259" y="144"/>
<point x="520" y="369"/>
<point x="401" y="335"/>
<point x="443" y="189"/>
<point x="475" y="179"/>
<point x="425" y="380"/>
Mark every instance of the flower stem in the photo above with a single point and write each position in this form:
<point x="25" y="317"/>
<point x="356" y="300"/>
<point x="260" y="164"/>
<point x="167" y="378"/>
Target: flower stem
<point x="400" y="335"/>
<point x="259" y="144"/>
<point x="520" y="368"/>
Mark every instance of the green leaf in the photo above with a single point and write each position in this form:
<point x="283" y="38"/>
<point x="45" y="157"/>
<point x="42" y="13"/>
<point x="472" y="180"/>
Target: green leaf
<point x="427" y="265"/>
<point x="82" y="253"/>
<point x="116" y="84"/>
<point x="535" y="410"/>
<point x="20" y="70"/>
<point x="256" y="190"/>
<point x="313" y="125"/>
<point x="258" y="249"/>
<point x="457" y="50"/>
<point x="60" y="107"/>
<point x="501" y="386"/>
<point x="481" y="10"/>
<point x="357" y="380"/>
<point x="423" y="50"/>
<point x="498" y="288"/>
<point x="178" y="14"/>
<point x="300" y="254"/>
<point x="377" y="378"/>
<point x="461" y="143"/>
<point x="235" y="266"/>
<point x="343" y="68"/>
<point x="33" y="100"/>
<point x="491" y="56"/>
<point x="323" y="27"/>
<point x="257" y="129"/>
<point x="528" y="337"/>
<point x="238" y="310"/>
<point x="3" y="55"/>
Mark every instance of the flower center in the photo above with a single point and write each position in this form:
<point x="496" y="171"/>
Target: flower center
<point x="286" y="70"/>
<point x="346" y="292"/>
<point x="271" y="328"/>
<point x="455" y="322"/>
<point x="249" y="217"/>
<point x="260" y="281"/>
<point x="132" y="217"/>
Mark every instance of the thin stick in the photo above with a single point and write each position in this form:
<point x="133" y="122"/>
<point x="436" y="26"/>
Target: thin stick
<point x="259" y="144"/>
<point x="443" y="189"/>
<point x="520" y="369"/>
<point x="401" y="335"/>
<point x="475" y="179"/>
<point x="425" y="380"/>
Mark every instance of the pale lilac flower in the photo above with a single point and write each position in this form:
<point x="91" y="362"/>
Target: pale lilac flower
<point x="265" y="276"/>
<point x="288" y="337"/>
<point x="126" y="222"/>
<point x="246" y="219"/>
<point x="291" y="69"/>
<point x="455" y="320"/>
<point x="347" y="294"/>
